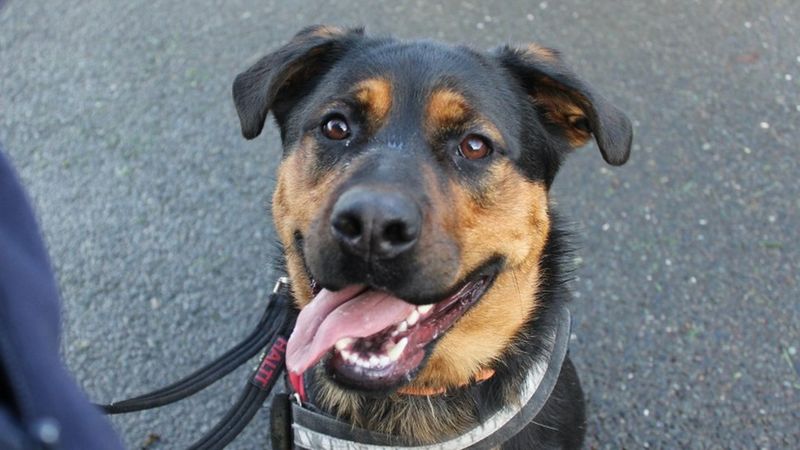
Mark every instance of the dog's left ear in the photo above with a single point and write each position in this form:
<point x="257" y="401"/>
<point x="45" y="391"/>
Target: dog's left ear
<point x="280" y="79"/>
<point x="568" y="103"/>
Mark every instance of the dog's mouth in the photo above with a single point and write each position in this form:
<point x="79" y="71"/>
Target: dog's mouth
<point x="373" y="340"/>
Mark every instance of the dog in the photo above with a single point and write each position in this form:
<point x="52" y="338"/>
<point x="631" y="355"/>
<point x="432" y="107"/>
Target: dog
<point x="412" y="208"/>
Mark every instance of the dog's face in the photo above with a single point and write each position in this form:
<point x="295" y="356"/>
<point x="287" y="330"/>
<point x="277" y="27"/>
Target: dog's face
<point x="412" y="197"/>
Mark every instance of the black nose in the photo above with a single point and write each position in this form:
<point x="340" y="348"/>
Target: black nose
<point x="379" y="224"/>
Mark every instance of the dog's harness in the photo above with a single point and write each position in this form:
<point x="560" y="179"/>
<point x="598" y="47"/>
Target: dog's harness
<point x="297" y="424"/>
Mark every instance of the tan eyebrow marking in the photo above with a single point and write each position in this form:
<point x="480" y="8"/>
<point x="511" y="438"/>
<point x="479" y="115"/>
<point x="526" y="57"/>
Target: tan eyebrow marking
<point x="446" y="108"/>
<point x="375" y="95"/>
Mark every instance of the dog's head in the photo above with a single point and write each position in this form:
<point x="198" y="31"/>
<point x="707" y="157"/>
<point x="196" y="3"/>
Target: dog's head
<point x="412" y="196"/>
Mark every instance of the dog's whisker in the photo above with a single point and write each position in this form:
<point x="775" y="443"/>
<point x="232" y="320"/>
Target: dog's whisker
<point x="544" y="426"/>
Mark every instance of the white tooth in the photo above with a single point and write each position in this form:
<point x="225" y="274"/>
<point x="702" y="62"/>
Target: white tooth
<point x="394" y="352"/>
<point x="373" y="360"/>
<point x="403" y="327"/>
<point x="343" y="343"/>
<point x="412" y="318"/>
<point x="424" y="309"/>
<point x="384" y="360"/>
<point x="347" y="355"/>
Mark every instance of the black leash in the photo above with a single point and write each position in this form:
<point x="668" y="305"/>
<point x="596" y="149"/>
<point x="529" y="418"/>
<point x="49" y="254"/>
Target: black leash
<point x="272" y="333"/>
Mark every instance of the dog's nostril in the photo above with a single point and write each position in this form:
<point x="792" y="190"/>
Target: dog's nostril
<point x="396" y="232"/>
<point x="348" y="226"/>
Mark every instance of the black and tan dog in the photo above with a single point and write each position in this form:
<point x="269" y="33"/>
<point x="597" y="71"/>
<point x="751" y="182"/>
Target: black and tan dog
<point x="412" y="207"/>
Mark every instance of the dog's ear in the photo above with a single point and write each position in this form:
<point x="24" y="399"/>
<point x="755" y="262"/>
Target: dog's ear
<point x="280" y="78"/>
<point x="564" y="101"/>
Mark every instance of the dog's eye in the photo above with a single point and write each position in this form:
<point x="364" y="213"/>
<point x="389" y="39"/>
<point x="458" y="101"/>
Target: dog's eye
<point x="474" y="147"/>
<point x="336" y="128"/>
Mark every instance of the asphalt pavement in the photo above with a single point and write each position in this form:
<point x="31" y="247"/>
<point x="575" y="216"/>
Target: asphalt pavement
<point x="119" y="119"/>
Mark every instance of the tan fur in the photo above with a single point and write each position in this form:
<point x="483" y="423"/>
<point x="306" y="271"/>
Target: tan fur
<point x="375" y="96"/>
<point x="297" y="199"/>
<point x="562" y="107"/>
<point x="425" y="419"/>
<point x="327" y="31"/>
<point x="544" y="53"/>
<point x="446" y="108"/>
<point x="563" y="111"/>
<point x="510" y="219"/>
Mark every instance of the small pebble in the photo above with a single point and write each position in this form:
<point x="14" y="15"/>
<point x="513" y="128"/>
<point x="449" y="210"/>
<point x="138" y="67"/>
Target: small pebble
<point x="764" y="125"/>
<point x="706" y="146"/>
<point x="530" y="18"/>
<point x="792" y="351"/>
<point x="703" y="222"/>
<point x="606" y="227"/>
<point x="788" y="77"/>
<point x="646" y="412"/>
<point x="772" y="219"/>
<point x="543" y="5"/>
<point x="748" y="24"/>
<point x="747" y="150"/>
<point x="480" y="25"/>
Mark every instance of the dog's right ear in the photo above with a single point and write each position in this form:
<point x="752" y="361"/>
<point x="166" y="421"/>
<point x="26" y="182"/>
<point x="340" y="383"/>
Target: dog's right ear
<point x="278" y="80"/>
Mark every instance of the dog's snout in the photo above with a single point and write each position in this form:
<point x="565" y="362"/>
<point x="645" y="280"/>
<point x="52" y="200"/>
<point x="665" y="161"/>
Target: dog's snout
<point x="376" y="224"/>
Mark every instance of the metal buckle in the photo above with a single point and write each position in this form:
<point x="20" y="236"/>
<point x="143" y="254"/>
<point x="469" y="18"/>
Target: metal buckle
<point x="283" y="282"/>
<point x="296" y="398"/>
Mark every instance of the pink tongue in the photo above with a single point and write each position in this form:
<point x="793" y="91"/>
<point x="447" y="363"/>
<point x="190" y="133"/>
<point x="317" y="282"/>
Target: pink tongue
<point x="335" y="315"/>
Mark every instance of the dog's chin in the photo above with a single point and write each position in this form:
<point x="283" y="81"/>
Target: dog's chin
<point x="384" y="361"/>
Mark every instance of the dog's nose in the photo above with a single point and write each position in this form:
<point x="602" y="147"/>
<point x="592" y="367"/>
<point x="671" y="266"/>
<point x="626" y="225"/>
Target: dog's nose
<point x="380" y="224"/>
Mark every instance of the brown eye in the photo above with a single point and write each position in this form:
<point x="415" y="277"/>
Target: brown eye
<point x="336" y="128"/>
<point x="474" y="147"/>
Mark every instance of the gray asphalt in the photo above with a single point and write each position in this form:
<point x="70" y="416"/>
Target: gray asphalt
<point x="687" y="322"/>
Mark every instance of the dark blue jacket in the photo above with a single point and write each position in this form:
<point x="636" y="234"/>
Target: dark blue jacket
<point x="39" y="400"/>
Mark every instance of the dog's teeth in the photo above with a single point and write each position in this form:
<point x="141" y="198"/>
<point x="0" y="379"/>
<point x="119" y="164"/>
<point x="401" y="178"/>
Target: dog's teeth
<point x="412" y="318"/>
<point x="394" y="352"/>
<point x="403" y="327"/>
<point x="348" y="355"/>
<point x="373" y="360"/>
<point x="424" y="309"/>
<point x="384" y="360"/>
<point x="343" y="343"/>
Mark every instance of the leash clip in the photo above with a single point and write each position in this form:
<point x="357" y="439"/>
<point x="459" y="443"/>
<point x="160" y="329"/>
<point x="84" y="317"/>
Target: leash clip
<point x="296" y="398"/>
<point x="283" y="282"/>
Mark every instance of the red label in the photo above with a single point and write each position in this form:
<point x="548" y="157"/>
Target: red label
<point x="270" y="364"/>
